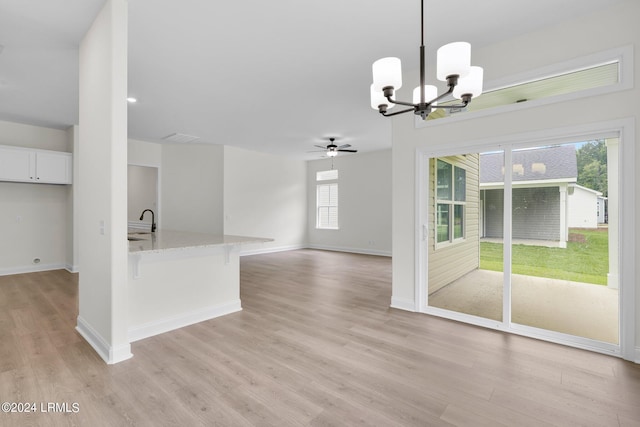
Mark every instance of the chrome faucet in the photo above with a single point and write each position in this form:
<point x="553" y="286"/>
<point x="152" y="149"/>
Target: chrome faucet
<point x="153" y="219"/>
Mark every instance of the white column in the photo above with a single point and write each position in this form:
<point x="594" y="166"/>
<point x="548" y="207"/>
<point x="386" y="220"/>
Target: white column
<point x="613" y="277"/>
<point x="564" y="229"/>
<point x="102" y="203"/>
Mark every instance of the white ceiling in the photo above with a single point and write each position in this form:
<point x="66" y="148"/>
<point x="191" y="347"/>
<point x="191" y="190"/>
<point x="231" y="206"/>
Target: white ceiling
<point x="272" y="76"/>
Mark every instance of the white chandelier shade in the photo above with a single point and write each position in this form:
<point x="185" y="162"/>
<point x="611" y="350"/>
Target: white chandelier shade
<point x="453" y="59"/>
<point x="471" y="84"/>
<point x="387" y="72"/>
<point x="430" y="92"/>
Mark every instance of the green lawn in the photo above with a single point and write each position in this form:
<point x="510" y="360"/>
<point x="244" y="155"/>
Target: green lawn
<point x="586" y="258"/>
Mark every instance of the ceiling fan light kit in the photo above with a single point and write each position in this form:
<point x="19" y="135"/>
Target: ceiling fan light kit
<point x="332" y="149"/>
<point x="464" y="81"/>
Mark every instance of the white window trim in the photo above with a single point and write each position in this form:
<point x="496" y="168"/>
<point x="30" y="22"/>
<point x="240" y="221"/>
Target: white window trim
<point x="622" y="55"/>
<point x="321" y="183"/>
<point x="452" y="240"/>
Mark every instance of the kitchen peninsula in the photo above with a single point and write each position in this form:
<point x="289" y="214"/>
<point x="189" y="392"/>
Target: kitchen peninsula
<point x="180" y="278"/>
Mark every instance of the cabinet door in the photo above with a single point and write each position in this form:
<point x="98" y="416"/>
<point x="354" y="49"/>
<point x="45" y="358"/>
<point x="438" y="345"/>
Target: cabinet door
<point x="16" y="164"/>
<point x="53" y="168"/>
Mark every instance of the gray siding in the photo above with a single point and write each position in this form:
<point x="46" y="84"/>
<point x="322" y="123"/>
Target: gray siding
<point x="536" y="213"/>
<point x="493" y="201"/>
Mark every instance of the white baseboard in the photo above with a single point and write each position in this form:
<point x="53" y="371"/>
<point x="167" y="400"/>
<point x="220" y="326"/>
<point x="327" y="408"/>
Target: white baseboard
<point x="30" y="269"/>
<point x="403" y="304"/>
<point x="72" y="268"/>
<point x="150" y="329"/>
<point x="350" y="250"/>
<point x="258" y="251"/>
<point x="109" y="354"/>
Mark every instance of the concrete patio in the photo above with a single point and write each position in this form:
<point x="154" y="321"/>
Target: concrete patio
<point x="580" y="309"/>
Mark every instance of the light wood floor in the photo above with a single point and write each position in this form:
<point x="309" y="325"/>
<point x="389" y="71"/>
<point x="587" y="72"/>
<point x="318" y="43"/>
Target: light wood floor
<point x="316" y="344"/>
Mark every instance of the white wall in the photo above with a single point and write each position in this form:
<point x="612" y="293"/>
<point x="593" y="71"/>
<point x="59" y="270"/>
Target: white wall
<point x="364" y="204"/>
<point x="191" y="179"/>
<point x="142" y="193"/>
<point x="34" y="218"/>
<point x="583" y="36"/>
<point x="144" y="153"/>
<point x="265" y="196"/>
<point x="72" y="193"/>
<point x="149" y="155"/>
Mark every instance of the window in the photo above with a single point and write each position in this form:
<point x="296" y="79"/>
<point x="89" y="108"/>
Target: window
<point x="327" y="200"/>
<point x="599" y="73"/>
<point x="451" y="196"/>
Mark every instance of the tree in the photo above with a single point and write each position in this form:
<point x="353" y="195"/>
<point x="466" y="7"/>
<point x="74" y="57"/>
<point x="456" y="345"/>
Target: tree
<point x="592" y="166"/>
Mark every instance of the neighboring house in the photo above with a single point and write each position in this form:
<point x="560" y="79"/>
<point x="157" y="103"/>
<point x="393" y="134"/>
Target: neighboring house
<point x="453" y="219"/>
<point x="583" y="207"/>
<point x="542" y="179"/>
<point x="603" y="210"/>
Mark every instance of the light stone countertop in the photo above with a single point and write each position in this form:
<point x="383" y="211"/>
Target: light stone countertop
<point x="169" y="240"/>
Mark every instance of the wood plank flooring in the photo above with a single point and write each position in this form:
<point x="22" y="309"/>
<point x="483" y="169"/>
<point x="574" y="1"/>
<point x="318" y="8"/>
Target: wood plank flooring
<point x="316" y="344"/>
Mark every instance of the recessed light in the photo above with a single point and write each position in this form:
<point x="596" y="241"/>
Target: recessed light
<point x="131" y="100"/>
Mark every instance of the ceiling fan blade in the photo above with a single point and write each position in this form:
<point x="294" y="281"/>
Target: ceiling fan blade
<point x="317" y="151"/>
<point x="344" y="146"/>
<point x="349" y="151"/>
<point x="324" y="147"/>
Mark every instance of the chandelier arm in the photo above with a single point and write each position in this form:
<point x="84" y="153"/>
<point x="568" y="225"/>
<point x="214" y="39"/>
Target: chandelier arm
<point x="466" y="99"/>
<point x="444" y="95"/>
<point x="408" y="104"/>
<point x="395" y="113"/>
<point x="464" y="104"/>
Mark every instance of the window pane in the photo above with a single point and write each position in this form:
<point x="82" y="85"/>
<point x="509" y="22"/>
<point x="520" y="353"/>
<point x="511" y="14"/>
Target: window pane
<point x="333" y="217"/>
<point x="327" y="205"/>
<point x="444" y="180"/>
<point x="540" y="88"/>
<point x="562" y="262"/>
<point x="442" y="223"/>
<point x="458" y="221"/>
<point x="323" y="217"/>
<point x="460" y="185"/>
<point x="327" y="175"/>
<point x="333" y="195"/>
<point x="458" y="274"/>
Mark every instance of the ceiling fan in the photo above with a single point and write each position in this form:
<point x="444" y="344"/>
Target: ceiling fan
<point x="332" y="149"/>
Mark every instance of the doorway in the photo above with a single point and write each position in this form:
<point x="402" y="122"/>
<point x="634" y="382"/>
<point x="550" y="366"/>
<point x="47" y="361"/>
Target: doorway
<point x="537" y="255"/>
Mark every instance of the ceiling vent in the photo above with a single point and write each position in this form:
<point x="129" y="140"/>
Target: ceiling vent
<point x="180" y="138"/>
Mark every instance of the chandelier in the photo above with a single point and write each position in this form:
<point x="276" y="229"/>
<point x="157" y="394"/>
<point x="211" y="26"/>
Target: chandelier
<point x="454" y="66"/>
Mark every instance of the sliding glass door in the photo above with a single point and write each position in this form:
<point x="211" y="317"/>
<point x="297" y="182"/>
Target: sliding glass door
<point x="560" y="251"/>
<point x="525" y="237"/>
<point x="463" y="275"/>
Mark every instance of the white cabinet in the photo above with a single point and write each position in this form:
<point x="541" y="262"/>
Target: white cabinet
<point x="53" y="167"/>
<point x="16" y="164"/>
<point x="39" y="166"/>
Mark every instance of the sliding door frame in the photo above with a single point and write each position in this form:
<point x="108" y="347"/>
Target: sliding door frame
<point x="624" y="130"/>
